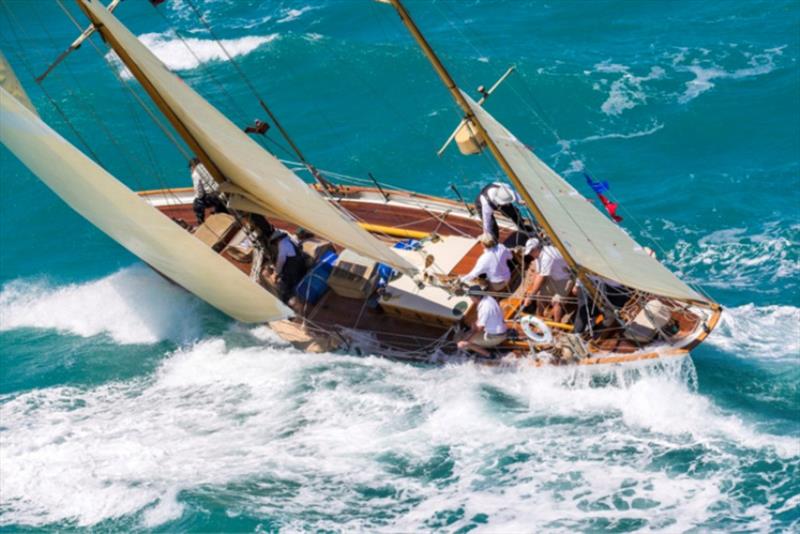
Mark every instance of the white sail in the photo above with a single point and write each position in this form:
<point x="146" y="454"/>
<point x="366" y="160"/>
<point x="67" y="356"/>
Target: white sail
<point x="129" y="220"/>
<point x="240" y="158"/>
<point x="591" y="239"/>
<point x="9" y="82"/>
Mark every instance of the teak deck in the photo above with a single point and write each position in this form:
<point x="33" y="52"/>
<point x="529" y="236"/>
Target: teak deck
<point x="336" y="311"/>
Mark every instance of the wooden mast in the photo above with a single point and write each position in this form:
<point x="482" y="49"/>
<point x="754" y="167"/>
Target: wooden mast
<point x="176" y="122"/>
<point x="202" y="155"/>
<point x="472" y="119"/>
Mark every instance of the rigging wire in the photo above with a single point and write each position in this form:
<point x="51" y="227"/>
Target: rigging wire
<point x="139" y="126"/>
<point x="80" y="99"/>
<point x="542" y="117"/>
<point x="207" y="70"/>
<point x="255" y="92"/>
<point x="21" y="57"/>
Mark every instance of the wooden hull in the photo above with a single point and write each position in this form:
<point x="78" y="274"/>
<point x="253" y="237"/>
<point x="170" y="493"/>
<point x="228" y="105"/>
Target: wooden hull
<point x="358" y="325"/>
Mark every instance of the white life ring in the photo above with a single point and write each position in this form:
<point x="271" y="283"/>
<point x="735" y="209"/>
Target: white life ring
<point x="528" y="322"/>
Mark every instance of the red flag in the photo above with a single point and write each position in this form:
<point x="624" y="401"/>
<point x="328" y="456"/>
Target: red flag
<point x="611" y="207"/>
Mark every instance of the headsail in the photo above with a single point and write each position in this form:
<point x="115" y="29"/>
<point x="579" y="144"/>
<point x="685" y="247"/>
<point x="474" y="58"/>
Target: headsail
<point x="266" y="180"/>
<point x="591" y="239"/>
<point x="9" y="82"/>
<point x="129" y="220"/>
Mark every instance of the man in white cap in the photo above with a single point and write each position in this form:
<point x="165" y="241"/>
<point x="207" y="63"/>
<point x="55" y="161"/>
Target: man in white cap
<point x="492" y="265"/>
<point x="548" y="277"/>
<point x="489" y="329"/>
<point x="499" y="196"/>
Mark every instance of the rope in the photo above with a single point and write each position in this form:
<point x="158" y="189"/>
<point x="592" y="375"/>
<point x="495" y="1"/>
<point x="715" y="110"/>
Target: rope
<point x="173" y="198"/>
<point x="15" y="25"/>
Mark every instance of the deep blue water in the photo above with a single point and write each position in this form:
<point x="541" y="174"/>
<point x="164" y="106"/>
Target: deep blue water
<point x="128" y="404"/>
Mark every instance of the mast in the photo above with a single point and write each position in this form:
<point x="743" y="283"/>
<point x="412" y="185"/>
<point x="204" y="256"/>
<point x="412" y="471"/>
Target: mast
<point x="109" y="38"/>
<point x="470" y="117"/>
<point x="173" y="119"/>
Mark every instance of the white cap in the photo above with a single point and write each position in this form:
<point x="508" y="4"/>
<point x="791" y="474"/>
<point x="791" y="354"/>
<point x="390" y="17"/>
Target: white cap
<point x="531" y="245"/>
<point x="502" y="194"/>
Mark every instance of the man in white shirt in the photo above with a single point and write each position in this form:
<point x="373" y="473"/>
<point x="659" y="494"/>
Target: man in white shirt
<point x="499" y="196"/>
<point x="206" y="191"/>
<point x="549" y="277"/>
<point x="289" y="266"/>
<point x="492" y="265"/>
<point x="489" y="329"/>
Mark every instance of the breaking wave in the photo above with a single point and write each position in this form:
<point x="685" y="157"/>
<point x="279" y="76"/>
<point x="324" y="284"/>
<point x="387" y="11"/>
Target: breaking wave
<point x="309" y="441"/>
<point x="134" y="305"/>
<point x="190" y="52"/>
<point x="740" y="258"/>
<point x="768" y="332"/>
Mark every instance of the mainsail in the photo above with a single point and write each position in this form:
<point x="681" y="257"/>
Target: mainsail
<point x="240" y="159"/>
<point x="591" y="239"/>
<point x="126" y="218"/>
<point x="9" y="82"/>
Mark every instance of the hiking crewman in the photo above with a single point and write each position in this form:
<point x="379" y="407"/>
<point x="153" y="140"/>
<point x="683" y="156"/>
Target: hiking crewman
<point x="206" y="191"/>
<point x="499" y="196"/>
<point x="289" y="265"/>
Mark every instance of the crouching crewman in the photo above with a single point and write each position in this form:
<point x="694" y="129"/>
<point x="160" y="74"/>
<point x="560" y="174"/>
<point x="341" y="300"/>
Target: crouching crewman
<point x="489" y="329"/>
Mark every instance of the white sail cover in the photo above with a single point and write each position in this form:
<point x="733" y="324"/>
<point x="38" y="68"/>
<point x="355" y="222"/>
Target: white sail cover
<point x="593" y="241"/>
<point x="9" y="82"/>
<point x="240" y="158"/>
<point x="129" y="220"/>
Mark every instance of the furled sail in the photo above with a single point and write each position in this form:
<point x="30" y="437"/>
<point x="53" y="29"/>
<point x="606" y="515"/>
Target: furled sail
<point x="592" y="240"/>
<point x="9" y="82"/>
<point x="238" y="157"/>
<point x="129" y="220"/>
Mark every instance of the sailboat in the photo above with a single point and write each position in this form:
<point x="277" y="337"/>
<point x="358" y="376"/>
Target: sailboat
<point x="383" y="262"/>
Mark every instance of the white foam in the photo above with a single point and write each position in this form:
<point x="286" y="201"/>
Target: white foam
<point x="293" y="14"/>
<point x="705" y="71"/>
<point x="191" y="52"/>
<point x="768" y="332"/>
<point x="319" y="427"/>
<point x="739" y="257"/>
<point x="627" y="91"/>
<point x="134" y="305"/>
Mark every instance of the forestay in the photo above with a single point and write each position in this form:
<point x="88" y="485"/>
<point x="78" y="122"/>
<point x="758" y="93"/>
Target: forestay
<point x="9" y="82"/>
<point x="266" y="180"/>
<point x="591" y="239"/>
<point x="129" y="220"/>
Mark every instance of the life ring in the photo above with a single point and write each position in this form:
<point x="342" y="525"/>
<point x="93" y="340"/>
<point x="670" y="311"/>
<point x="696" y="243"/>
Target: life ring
<point x="528" y="322"/>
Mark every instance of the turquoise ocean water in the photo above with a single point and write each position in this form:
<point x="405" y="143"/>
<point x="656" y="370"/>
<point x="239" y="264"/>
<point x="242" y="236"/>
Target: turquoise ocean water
<point x="127" y="404"/>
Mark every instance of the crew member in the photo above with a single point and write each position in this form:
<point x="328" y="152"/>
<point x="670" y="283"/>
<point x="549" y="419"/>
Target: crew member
<point x="289" y="265"/>
<point x="499" y="196"/>
<point x="615" y="297"/>
<point x="548" y="277"/>
<point x="489" y="329"/>
<point x="206" y="191"/>
<point x="492" y="265"/>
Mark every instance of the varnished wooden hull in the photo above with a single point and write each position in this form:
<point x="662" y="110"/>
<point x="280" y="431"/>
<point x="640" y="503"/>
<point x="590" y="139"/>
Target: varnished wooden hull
<point x="359" y="327"/>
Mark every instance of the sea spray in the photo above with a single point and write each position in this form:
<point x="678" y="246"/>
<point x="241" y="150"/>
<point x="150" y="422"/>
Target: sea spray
<point x="419" y="443"/>
<point x="134" y="305"/>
